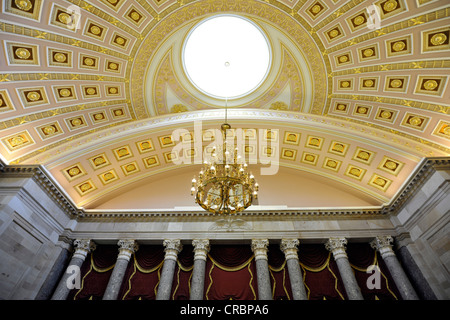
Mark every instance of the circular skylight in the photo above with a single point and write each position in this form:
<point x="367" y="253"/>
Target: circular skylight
<point x="226" y="56"/>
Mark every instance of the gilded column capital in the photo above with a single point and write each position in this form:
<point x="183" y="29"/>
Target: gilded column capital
<point x="337" y="247"/>
<point x="260" y="248"/>
<point x="127" y="248"/>
<point x="289" y="248"/>
<point x="384" y="245"/>
<point x="172" y="248"/>
<point x="82" y="248"/>
<point x="201" y="248"/>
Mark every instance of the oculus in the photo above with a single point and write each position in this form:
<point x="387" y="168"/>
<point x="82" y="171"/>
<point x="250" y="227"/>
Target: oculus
<point x="226" y="56"/>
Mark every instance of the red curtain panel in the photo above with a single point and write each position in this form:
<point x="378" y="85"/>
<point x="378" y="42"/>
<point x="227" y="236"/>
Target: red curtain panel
<point x="181" y="285"/>
<point x="279" y="274"/>
<point x="320" y="273"/>
<point x="368" y="265"/>
<point x="230" y="273"/>
<point x="95" y="273"/>
<point x="143" y="273"/>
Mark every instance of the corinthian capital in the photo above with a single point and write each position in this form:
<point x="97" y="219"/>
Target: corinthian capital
<point x="384" y="245"/>
<point x="127" y="248"/>
<point x="337" y="247"/>
<point x="172" y="248"/>
<point x="201" y="248"/>
<point x="289" y="247"/>
<point x="260" y="248"/>
<point x="83" y="247"/>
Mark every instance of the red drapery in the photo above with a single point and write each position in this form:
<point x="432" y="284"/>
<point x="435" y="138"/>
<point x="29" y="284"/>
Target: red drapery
<point x="320" y="273"/>
<point x="95" y="273"/>
<point x="279" y="275"/>
<point x="361" y="257"/>
<point x="230" y="273"/>
<point x="143" y="273"/>
<point x="181" y="285"/>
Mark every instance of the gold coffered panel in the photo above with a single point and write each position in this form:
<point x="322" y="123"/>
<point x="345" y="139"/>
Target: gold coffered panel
<point x="25" y="8"/>
<point x="20" y="53"/>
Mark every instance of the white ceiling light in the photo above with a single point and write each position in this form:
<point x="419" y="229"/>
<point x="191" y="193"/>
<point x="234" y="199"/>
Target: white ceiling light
<point x="226" y="56"/>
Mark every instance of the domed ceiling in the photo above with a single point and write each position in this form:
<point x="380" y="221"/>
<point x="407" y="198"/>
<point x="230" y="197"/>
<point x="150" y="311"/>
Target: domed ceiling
<point x="355" y="98"/>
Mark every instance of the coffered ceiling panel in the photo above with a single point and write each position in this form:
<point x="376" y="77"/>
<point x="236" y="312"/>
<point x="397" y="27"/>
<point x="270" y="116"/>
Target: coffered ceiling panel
<point x="357" y="92"/>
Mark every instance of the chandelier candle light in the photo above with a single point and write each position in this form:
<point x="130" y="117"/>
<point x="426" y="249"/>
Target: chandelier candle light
<point x="223" y="185"/>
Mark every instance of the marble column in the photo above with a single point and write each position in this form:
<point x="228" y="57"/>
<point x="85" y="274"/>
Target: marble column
<point x="57" y="271"/>
<point x="384" y="247"/>
<point x="82" y="248"/>
<point x="201" y="249"/>
<point x="260" y="248"/>
<point x="289" y="247"/>
<point x="172" y="248"/>
<point x="337" y="247"/>
<point x="126" y="249"/>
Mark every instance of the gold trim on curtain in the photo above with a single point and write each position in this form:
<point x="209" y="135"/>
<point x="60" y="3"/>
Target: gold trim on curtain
<point x="282" y="268"/>
<point x="230" y="269"/>
<point x="375" y="262"/>
<point x="185" y="269"/>
<point x="95" y="268"/>
<point x="326" y="264"/>
<point x="136" y="266"/>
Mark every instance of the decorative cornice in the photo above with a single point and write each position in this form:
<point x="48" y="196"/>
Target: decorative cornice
<point x="39" y="174"/>
<point x="418" y="178"/>
<point x="46" y="182"/>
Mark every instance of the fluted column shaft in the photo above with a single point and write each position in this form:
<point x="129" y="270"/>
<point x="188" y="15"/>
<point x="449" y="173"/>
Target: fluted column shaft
<point x="82" y="248"/>
<point x="289" y="247"/>
<point x="126" y="249"/>
<point x="201" y="249"/>
<point x="337" y="247"/>
<point x="383" y="245"/>
<point x="172" y="248"/>
<point x="259" y="247"/>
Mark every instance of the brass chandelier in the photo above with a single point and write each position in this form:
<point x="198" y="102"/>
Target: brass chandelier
<point x="223" y="185"/>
